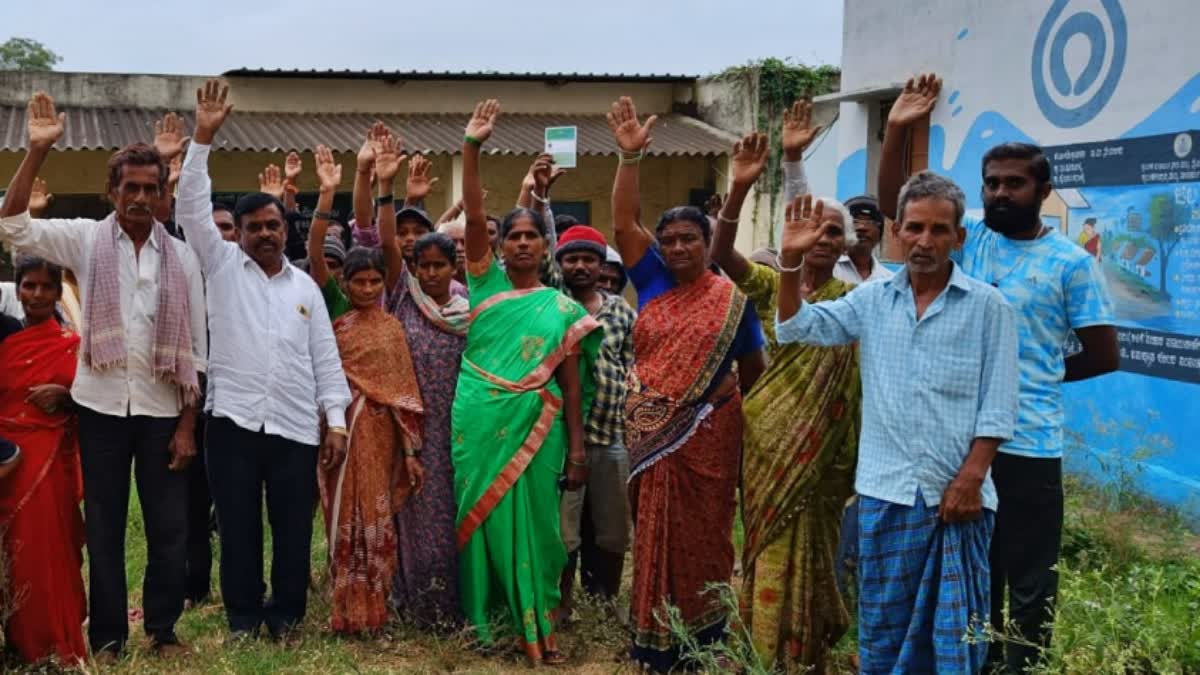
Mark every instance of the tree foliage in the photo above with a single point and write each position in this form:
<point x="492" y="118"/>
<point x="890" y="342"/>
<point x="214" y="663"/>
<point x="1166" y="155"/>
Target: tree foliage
<point x="778" y="83"/>
<point x="25" y="54"/>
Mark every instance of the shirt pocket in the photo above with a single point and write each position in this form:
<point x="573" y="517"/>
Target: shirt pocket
<point x="956" y="377"/>
<point x="294" y="326"/>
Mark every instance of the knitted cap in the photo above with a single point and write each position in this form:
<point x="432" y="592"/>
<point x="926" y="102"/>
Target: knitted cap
<point x="582" y="238"/>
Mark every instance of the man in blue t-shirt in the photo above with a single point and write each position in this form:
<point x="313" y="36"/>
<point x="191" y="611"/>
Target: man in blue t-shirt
<point x="1056" y="288"/>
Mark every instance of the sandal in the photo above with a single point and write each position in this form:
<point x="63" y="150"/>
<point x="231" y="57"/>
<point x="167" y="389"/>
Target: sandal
<point x="553" y="657"/>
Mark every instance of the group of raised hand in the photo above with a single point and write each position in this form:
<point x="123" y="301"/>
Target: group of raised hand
<point x="381" y="155"/>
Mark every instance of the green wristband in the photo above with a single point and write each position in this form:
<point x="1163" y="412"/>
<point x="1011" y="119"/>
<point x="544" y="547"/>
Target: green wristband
<point x="473" y="141"/>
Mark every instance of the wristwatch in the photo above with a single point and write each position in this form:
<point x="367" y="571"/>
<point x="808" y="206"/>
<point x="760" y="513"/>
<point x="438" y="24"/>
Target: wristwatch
<point x="384" y="200"/>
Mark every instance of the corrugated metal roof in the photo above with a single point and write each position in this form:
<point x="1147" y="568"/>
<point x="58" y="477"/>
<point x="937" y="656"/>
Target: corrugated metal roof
<point x="455" y="75"/>
<point x="112" y="128"/>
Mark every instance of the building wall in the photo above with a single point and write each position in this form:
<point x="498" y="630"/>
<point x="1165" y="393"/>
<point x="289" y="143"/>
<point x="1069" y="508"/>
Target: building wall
<point x="1117" y="72"/>
<point x="300" y="95"/>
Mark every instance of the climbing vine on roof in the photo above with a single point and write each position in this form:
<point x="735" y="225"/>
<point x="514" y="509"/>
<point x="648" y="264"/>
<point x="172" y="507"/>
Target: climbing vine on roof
<point x="779" y="83"/>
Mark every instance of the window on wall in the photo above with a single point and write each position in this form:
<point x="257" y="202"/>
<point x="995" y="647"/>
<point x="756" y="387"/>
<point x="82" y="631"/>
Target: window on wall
<point x="581" y="211"/>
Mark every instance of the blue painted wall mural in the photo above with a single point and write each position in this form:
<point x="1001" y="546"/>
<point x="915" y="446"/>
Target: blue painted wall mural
<point x="1126" y="158"/>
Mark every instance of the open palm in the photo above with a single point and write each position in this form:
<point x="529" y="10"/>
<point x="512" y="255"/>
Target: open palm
<point x="45" y="125"/>
<point x="919" y="97"/>
<point x="329" y="174"/>
<point x="631" y="135"/>
<point x="211" y="107"/>
<point x="749" y="158"/>
<point x="168" y="136"/>
<point x="419" y="184"/>
<point x="798" y="131"/>
<point x="483" y="121"/>
<point x="802" y="228"/>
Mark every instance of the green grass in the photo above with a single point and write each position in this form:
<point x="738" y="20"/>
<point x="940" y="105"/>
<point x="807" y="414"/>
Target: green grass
<point x="1129" y="603"/>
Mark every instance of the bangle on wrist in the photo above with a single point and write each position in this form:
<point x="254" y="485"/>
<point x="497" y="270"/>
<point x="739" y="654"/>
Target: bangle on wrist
<point x="412" y="452"/>
<point x="322" y="215"/>
<point x="572" y="462"/>
<point x="340" y="431"/>
<point x="468" y="138"/>
<point x="783" y="268"/>
<point x="539" y="199"/>
<point x="728" y="221"/>
<point x="384" y="200"/>
<point x="630" y="157"/>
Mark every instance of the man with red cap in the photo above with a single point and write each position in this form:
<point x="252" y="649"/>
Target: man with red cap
<point x="581" y="251"/>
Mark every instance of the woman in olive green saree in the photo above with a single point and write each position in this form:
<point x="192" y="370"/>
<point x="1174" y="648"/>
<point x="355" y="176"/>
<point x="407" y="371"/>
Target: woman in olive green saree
<point x="801" y="444"/>
<point x="517" y="421"/>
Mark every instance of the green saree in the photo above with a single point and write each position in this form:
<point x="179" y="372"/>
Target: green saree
<point x="801" y="444"/>
<point x="509" y="445"/>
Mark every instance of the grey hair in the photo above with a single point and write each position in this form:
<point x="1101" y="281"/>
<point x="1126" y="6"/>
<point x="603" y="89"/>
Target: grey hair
<point x="929" y="185"/>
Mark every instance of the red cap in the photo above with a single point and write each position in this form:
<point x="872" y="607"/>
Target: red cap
<point x="582" y="238"/>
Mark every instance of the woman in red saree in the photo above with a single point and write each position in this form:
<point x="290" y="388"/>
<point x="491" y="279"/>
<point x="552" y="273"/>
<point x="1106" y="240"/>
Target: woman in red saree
<point x="39" y="501"/>
<point x="683" y="413"/>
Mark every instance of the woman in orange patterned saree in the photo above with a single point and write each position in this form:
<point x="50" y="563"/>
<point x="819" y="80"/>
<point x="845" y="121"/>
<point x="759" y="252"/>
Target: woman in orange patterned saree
<point x="697" y="348"/>
<point x="382" y="467"/>
<point x="39" y="500"/>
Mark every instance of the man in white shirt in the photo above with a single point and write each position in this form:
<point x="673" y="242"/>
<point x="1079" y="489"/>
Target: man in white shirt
<point x="859" y="264"/>
<point x="274" y="368"/>
<point x="137" y="373"/>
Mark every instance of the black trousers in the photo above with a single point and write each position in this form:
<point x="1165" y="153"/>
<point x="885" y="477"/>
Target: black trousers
<point x="240" y="464"/>
<point x="199" y="524"/>
<point x="1025" y="548"/>
<point x="108" y="445"/>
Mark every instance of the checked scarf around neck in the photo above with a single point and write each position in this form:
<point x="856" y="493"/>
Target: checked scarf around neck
<point x="104" y="333"/>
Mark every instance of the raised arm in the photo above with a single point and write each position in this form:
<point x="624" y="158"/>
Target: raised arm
<point x="919" y="97"/>
<point x="45" y="127"/>
<point x="387" y="164"/>
<point x="801" y="233"/>
<point x="798" y="134"/>
<point x="169" y="141"/>
<point x="749" y="161"/>
<point x="193" y="213"/>
<point x="632" y="139"/>
<point x="59" y="241"/>
<point x="454" y="211"/>
<point x="329" y="176"/>
<point x="479" y="129"/>
<point x="364" y="207"/>
<point x="293" y="166"/>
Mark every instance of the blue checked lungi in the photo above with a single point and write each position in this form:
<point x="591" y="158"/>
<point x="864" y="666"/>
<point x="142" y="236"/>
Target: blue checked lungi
<point x="922" y="584"/>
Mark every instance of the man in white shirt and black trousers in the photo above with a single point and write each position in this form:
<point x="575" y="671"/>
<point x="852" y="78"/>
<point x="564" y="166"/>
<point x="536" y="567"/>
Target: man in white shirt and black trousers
<point x="274" y="366"/>
<point x="143" y="344"/>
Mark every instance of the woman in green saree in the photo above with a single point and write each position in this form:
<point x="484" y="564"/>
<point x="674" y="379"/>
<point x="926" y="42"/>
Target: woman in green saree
<point x="517" y="420"/>
<point x="801" y="443"/>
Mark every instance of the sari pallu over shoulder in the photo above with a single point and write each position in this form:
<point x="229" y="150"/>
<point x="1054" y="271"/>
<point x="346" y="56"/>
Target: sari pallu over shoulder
<point x="536" y="380"/>
<point x="361" y="495"/>
<point x="42" y="354"/>
<point x="801" y="424"/>
<point x="682" y="339"/>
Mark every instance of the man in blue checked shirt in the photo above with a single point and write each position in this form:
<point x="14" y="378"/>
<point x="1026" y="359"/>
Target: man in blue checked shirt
<point x="938" y="353"/>
<point x="1056" y="289"/>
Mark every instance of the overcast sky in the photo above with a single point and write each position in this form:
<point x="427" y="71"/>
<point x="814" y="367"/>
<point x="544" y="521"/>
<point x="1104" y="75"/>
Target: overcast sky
<point x="203" y="37"/>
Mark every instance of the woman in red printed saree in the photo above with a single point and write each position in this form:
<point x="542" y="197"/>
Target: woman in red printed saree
<point x="382" y="466"/>
<point x="39" y="500"/>
<point x="517" y="421"/>
<point x="683" y="412"/>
